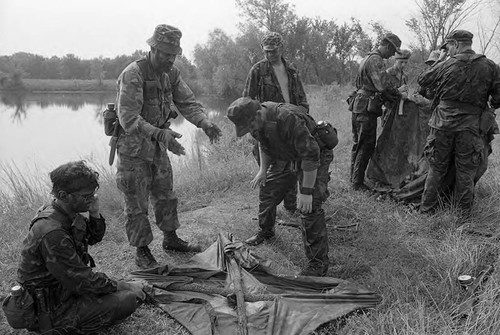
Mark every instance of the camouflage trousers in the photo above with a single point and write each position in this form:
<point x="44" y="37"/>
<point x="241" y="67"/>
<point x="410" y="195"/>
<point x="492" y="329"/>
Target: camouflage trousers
<point x="290" y="198"/>
<point x="462" y="149"/>
<point x="364" y="137"/>
<point x="139" y="181"/>
<point x="314" y="234"/>
<point x="88" y="314"/>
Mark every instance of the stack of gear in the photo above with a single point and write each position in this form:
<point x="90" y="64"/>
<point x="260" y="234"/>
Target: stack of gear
<point x="228" y="290"/>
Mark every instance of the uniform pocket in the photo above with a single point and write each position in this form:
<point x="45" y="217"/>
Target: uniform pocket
<point x="360" y="104"/>
<point x="429" y="147"/>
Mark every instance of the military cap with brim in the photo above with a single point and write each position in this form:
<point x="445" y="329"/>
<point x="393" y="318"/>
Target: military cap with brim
<point x="433" y="57"/>
<point x="241" y="112"/>
<point x="459" y="36"/>
<point x="167" y="39"/>
<point x="394" y="40"/>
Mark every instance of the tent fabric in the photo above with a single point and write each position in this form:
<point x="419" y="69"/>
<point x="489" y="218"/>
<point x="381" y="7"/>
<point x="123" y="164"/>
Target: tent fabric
<point x="398" y="166"/>
<point x="200" y="294"/>
<point x="397" y="160"/>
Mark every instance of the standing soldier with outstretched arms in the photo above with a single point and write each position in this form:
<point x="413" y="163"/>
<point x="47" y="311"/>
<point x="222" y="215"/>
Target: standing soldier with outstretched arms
<point x="147" y="88"/>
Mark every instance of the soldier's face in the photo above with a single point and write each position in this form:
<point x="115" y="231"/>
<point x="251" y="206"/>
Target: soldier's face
<point x="401" y="64"/>
<point x="451" y="47"/>
<point x="162" y="61"/>
<point x="80" y="201"/>
<point x="273" y="56"/>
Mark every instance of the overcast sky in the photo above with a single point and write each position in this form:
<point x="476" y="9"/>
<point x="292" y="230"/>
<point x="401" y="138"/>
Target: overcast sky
<point x="93" y="28"/>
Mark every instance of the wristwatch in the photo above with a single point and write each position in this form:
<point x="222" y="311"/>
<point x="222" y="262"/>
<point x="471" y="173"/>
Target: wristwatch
<point x="306" y="190"/>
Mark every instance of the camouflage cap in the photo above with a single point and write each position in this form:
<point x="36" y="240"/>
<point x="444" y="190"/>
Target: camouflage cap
<point x="394" y="40"/>
<point x="433" y="57"/>
<point x="460" y="35"/>
<point x="405" y="55"/>
<point x="167" y="39"/>
<point x="241" y="112"/>
<point x="271" y="41"/>
<point x="457" y="35"/>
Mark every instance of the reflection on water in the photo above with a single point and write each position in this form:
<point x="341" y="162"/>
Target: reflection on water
<point x="42" y="131"/>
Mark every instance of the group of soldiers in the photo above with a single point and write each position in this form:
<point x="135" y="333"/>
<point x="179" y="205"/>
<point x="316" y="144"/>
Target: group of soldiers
<point x="463" y="89"/>
<point x="59" y="291"/>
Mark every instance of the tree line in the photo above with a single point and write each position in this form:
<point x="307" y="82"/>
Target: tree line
<point x="324" y="51"/>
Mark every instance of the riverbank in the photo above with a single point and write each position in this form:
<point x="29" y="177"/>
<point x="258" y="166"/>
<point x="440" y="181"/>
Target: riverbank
<point x="68" y="85"/>
<point x="411" y="260"/>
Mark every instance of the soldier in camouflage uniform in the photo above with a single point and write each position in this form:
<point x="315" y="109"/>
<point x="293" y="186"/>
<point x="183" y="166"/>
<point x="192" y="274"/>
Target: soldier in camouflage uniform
<point x="55" y="267"/>
<point x="464" y="85"/>
<point x="285" y="133"/>
<point x="146" y="90"/>
<point x="373" y="87"/>
<point x="274" y="79"/>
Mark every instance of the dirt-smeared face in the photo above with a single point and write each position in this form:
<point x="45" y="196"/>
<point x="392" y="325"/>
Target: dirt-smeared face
<point x="162" y="61"/>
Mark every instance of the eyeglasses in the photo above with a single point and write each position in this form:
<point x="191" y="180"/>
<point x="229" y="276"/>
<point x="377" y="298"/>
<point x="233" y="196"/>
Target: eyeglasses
<point x="86" y="197"/>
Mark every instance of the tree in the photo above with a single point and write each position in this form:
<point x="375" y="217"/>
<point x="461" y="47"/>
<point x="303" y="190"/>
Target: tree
<point x="437" y="18"/>
<point x="273" y="15"/>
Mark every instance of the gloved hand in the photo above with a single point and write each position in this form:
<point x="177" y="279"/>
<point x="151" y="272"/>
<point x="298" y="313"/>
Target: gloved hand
<point x="211" y="129"/>
<point x="167" y="138"/>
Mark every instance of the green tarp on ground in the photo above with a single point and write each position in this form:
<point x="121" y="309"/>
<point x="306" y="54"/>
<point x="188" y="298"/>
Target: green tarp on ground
<point x="200" y="294"/>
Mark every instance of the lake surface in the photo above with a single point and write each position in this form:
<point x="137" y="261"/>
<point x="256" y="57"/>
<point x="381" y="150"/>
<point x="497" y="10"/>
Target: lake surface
<point x="38" y="132"/>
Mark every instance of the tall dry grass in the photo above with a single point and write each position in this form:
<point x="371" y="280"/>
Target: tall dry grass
<point x="411" y="260"/>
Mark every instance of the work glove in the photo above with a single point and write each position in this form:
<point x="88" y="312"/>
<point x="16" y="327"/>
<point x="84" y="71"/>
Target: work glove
<point x="211" y="129"/>
<point x="167" y="138"/>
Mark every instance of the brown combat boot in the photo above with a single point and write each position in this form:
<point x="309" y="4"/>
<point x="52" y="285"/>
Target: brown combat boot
<point x="144" y="258"/>
<point x="173" y="242"/>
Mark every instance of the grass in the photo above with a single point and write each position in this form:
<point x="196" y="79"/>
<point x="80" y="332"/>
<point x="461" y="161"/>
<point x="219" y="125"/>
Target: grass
<point x="411" y="260"/>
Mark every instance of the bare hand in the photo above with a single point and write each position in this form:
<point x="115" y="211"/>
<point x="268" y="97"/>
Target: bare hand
<point x="133" y="286"/>
<point x="304" y="203"/>
<point x="94" y="207"/>
<point x="259" y="180"/>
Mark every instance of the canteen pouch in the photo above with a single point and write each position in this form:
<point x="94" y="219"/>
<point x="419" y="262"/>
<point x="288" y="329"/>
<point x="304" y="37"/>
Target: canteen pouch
<point x="110" y="118"/>
<point x="375" y="105"/>
<point x="20" y="311"/>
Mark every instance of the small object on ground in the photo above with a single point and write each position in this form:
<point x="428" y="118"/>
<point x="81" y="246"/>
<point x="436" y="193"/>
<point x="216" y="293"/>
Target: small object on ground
<point x="465" y="280"/>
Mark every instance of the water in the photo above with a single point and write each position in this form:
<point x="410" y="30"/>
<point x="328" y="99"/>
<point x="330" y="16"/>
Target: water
<point x="38" y="132"/>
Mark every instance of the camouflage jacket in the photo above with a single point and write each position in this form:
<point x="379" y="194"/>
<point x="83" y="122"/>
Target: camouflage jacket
<point x="286" y="135"/>
<point x="262" y="85"/>
<point x="462" y="84"/>
<point x="372" y="75"/>
<point x="397" y="77"/>
<point x="54" y="254"/>
<point x="146" y="98"/>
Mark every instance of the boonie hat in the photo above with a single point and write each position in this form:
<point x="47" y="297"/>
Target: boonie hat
<point x="241" y="112"/>
<point x="433" y="57"/>
<point x="271" y="41"/>
<point x="405" y="54"/>
<point x="394" y="40"/>
<point x="167" y="39"/>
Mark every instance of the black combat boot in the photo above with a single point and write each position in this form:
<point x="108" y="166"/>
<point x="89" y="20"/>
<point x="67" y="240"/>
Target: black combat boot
<point x="144" y="258"/>
<point x="173" y="242"/>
